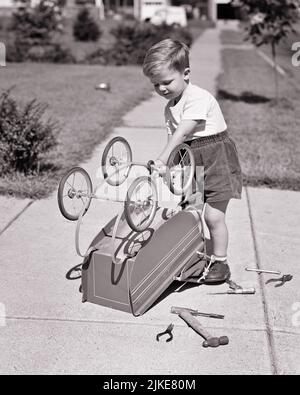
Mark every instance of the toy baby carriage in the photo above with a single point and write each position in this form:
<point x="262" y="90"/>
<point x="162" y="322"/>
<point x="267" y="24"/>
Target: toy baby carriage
<point x="142" y="250"/>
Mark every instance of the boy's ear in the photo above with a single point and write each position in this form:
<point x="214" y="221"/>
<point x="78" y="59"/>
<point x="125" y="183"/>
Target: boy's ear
<point x="186" y="73"/>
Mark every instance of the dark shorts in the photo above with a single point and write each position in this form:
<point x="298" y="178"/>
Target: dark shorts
<point x="222" y="171"/>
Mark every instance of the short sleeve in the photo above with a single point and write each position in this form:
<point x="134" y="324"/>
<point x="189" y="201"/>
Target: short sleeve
<point x="196" y="108"/>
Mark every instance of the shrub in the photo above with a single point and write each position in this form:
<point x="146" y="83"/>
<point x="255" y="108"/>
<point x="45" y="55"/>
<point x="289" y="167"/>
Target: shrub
<point x="133" y="41"/>
<point x="85" y="28"/>
<point x="35" y="28"/>
<point x="24" y="136"/>
<point x="54" y="53"/>
<point x="100" y="56"/>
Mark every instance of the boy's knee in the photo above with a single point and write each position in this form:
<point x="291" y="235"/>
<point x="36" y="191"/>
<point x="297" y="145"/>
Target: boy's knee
<point x="213" y="220"/>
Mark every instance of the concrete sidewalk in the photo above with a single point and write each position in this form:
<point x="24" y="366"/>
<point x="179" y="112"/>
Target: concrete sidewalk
<point x="45" y="329"/>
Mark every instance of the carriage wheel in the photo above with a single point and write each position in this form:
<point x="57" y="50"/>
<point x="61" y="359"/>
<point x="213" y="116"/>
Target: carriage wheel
<point x="141" y="203"/>
<point x="74" y="193"/>
<point x="116" y="155"/>
<point x="181" y="165"/>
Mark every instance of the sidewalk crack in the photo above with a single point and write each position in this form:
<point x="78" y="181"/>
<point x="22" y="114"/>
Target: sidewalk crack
<point x="15" y="217"/>
<point x="270" y="336"/>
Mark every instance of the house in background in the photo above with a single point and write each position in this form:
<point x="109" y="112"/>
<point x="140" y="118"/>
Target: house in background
<point x="204" y="9"/>
<point x="6" y="6"/>
<point x="6" y="3"/>
<point x="225" y="10"/>
<point x="12" y="3"/>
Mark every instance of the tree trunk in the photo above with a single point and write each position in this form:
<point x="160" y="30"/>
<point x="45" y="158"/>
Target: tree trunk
<point x="275" y="70"/>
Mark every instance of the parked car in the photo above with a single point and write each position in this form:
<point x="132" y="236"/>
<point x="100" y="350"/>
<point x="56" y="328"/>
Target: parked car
<point x="149" y="7"/>
<point x="171" y="15"/>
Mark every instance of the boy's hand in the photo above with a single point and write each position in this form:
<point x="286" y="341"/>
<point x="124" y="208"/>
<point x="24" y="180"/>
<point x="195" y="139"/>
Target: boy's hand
<point x="160" y="167"/>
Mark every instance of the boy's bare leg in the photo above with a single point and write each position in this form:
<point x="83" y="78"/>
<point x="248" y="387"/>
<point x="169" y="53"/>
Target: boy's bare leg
<point x="214" y="216"/>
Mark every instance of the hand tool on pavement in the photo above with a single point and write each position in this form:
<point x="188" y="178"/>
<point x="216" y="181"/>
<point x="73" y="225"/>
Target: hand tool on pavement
<point x="262" y="271"/>
<point x="282" y="280"/>
<point x="210" y="341"/>
<point x="235" y="289"/>
<point x="233" y="285"/>
<point x="241" y="291"/>
<point x="168" y="331"/>
<point x="177" y="310"/>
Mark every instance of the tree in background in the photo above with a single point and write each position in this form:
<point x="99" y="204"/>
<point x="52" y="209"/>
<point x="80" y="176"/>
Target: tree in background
<point x="85" y="28"/>
<point x="268" y="22"/>
<point x="36" y="25"/>
<point x="35" y="30"/>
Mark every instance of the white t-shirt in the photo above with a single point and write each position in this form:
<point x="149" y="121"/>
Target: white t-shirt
<point x="196" y="104"/>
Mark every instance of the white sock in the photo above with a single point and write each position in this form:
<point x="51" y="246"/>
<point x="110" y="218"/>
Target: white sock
<point x="220" y="258"/>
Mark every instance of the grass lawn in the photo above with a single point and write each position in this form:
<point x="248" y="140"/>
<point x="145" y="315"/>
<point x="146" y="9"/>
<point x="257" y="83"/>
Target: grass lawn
<point x="85" y="115"/>
<point x="284" y="51"/>
<point x="266" y="133"/>
<point x="284" y="54"/>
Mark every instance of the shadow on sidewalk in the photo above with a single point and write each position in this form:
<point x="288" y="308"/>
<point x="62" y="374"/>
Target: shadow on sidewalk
<point x="74" y="273"/>
<point x="247" y="97"/>
<point x="181" y="286"/>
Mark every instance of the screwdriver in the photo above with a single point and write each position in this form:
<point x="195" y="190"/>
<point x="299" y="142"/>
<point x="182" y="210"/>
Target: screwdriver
<point x="239" y="291"/>
<point x="177" y="310"/>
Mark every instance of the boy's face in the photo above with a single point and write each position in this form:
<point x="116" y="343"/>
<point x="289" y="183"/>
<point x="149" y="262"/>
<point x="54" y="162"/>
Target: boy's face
<point x="170" y="83"/>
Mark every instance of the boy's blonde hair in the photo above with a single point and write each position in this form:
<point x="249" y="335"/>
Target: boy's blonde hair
<point x="169" y="52"/>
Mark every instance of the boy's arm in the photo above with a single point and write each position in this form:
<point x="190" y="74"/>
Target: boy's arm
<point x="184" y="129"/>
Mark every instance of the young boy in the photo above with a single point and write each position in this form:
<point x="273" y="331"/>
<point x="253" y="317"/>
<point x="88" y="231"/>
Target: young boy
<point x="193" y="116"/>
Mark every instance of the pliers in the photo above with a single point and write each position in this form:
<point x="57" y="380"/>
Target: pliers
<point x="168" y="331"/>
<point x="283" y="279"/>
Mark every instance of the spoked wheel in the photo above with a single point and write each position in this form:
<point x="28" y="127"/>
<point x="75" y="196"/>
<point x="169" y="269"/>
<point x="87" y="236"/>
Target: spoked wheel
<point x="74" y="193"/>
<point x="141" y="203"/>
<point x="181" y="169"/>
<point x="115" y="156"/>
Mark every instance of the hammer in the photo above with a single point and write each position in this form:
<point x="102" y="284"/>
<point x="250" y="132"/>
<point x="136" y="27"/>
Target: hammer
<point x="210" y="341"/>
